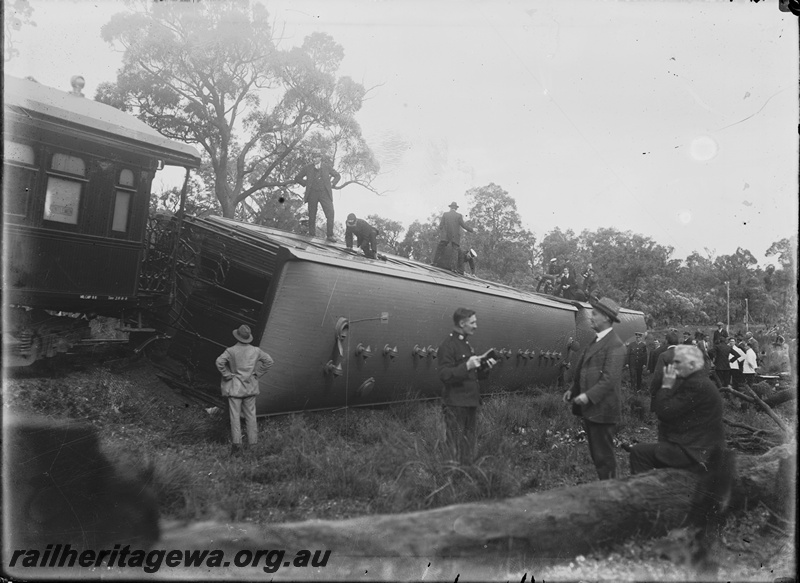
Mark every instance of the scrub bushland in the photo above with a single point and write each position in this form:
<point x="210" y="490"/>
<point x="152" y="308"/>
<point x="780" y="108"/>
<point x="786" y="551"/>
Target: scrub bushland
<point x="334" y="464"/>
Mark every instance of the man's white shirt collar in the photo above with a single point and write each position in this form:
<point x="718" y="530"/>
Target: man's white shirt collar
<point x="603" y="334"/>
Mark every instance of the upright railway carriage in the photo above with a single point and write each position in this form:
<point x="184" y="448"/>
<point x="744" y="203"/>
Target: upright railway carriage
<point x="76" y="194"/>
<point x="347" y="331"/>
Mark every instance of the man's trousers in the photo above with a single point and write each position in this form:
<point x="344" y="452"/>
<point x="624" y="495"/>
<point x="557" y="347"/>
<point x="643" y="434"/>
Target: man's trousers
<point x="600" y="437"/>
<point x="247" y="406"/>
<point x="461" y="432"/>
<point x="327" y="207"/>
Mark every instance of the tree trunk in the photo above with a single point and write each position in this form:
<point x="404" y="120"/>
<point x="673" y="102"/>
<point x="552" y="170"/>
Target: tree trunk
<point x="781" y="397"/>
<point x="558" y="523"/>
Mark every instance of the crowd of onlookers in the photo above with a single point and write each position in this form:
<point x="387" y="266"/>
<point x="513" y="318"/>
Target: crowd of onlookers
<point x="730" y="359"/>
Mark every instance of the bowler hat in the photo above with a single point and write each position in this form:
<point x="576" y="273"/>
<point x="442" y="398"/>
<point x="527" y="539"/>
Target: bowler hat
<point x="720" y="324"/>
<point x="243" y="334"/>
<point x="351" y="219"/>
<point x="453" y="205"/>
<point x="608" y="307"/>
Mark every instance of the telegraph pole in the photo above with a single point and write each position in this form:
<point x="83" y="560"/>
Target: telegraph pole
<point x="746" y="315"/>
<point x="728" y="287"/>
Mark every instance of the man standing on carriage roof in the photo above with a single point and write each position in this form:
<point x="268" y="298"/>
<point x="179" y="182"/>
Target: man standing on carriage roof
<point x="319" y="180"/>
<point x="450" y="238"/>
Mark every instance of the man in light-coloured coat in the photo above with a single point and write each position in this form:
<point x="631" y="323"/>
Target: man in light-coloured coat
<point x="595" y="392"/>
<point x="241" y="365"/>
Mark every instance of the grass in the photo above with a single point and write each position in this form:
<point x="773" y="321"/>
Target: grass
<point x="334" y="464"/>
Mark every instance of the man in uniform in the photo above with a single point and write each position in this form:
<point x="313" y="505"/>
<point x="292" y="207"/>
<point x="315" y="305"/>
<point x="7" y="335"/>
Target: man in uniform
<point x="319" y="180"/>
<point x="450" y="238"/>
<point x="458" y="371"/>
<point x="637" y="360"/>
<point x="366" y="235"/>
<point x="595" y="392"/>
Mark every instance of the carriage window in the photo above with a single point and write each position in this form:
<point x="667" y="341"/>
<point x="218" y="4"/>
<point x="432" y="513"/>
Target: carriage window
<point x="62" y="200"/>
<point x="63" y="197"/>
<point x="126" y="178"/>
<point x="19" y="176"/>
<point x="68" y="164"/>
<point x="122" y="202"/>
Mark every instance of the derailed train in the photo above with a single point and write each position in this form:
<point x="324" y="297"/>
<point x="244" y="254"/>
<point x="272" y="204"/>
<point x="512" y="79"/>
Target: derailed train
<point x="343" y="330"/>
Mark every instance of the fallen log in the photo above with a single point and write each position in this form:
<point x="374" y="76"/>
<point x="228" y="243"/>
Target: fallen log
<point x="779" y="397"/>
<point x="558" y="523"/>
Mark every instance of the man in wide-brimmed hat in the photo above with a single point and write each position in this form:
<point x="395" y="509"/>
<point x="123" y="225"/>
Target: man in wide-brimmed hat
<point x="595" y="392"/>
<point x="450" y="238"/>
<point x="241" y="365"/>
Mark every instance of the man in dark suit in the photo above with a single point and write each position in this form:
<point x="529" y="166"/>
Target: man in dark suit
<point x="664" y="359"/>
<point x="689" y="411"/>
<point x="450" y="238"/>
<point x="652" y="358"/>
<point x="553" y="273"/>
<point x="637" y="360"/>
<point x="722" y="364"/>
<point x="366" y="235"/>
<point x="319" y="180"/>
<point x="720" y="332"/>
<point x="595" y="392"/>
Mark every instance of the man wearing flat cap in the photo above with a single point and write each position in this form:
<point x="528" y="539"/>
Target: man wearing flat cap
<point x="450" y="238"/>
<point x="241" y="365"/>
<point x="366" y="235"/>
<point x="595" y="392"/>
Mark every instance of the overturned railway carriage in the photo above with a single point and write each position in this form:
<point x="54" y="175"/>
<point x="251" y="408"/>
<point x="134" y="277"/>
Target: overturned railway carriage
<point x="76" y="196"/>
<point x="349" y="331"/>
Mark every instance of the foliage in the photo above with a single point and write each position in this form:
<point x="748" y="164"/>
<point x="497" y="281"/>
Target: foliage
<point x="211" y="74"/>
<point x="420" y="240"/>
<point x="505" y="249"/>
<point x="389" y="235"/>
<point x="641" y="274"/>
<point x="15" y="14"/>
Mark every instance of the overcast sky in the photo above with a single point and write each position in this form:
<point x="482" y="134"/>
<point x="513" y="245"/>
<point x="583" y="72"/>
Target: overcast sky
<point x="674" y="119"/>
